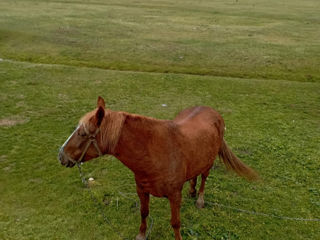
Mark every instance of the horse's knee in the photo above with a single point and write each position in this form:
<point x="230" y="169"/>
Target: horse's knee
<point x="144" y="213"/>
<point x="175" y="224"/>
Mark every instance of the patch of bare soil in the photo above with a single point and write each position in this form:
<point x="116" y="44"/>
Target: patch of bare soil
<point x="9" y="122"/>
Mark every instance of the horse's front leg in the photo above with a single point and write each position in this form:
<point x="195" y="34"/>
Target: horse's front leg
<point x="175" y="204"/>
<point x="144" y="211"/>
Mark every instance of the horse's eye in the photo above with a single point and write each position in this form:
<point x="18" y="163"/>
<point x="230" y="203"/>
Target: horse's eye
<point x="81" y="133"/>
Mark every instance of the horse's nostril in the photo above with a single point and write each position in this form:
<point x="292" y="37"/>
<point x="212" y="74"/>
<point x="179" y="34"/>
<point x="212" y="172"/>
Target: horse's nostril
<point x="61" y="157"/>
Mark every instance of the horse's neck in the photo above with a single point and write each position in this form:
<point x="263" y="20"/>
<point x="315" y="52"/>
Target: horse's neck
<point x="132" y="146"/>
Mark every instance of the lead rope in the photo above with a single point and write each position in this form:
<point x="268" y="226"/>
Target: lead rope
<point x="105" y="218"/>
<point x="125" y="195"/>
<point x="85" y="183"/>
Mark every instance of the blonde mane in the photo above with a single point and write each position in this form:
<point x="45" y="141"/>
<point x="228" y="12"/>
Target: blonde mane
<point x="110" y="129"/>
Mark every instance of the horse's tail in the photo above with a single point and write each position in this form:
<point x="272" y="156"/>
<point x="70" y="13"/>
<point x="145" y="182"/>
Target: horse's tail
<point x="232" y="162"/>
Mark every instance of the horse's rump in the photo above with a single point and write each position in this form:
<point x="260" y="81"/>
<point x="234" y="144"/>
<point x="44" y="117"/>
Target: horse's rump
<point x="201" y="130"/>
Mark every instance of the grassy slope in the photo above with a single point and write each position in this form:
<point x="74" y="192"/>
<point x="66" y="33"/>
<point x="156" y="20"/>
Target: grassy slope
<point x="247" y="38"/>
<point x="272" y="125"/>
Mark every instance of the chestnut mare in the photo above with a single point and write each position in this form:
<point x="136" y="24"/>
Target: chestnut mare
<point x="162" y="154"/>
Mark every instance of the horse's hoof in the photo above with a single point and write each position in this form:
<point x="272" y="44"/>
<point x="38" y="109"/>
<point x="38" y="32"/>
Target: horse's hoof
<point x="200" y="204"/>
<point x="140" y="237"/>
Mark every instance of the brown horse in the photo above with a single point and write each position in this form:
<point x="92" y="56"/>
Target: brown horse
<point x="162" y="154"/>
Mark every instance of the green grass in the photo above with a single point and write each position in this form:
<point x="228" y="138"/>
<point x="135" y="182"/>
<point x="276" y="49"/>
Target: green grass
<point x="271" y="125"/>
<point x="260" y="62"/>
<point x="247" y="38"/>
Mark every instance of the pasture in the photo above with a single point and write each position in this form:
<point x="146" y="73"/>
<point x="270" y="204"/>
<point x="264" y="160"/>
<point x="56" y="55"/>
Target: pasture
<point x="257" y="63"/>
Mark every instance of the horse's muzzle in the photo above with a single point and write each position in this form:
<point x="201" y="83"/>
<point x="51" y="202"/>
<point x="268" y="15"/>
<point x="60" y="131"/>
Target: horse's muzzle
<point x="64" y="159"/>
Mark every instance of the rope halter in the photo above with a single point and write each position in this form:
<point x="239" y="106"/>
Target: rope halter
<point x="91" y="139"/>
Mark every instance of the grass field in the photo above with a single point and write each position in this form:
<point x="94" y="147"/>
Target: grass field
<point x="274" y="39"/>
<point x="257" y="63"/>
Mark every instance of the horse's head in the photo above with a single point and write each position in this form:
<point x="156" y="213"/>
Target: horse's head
<point x="85" y="142"/>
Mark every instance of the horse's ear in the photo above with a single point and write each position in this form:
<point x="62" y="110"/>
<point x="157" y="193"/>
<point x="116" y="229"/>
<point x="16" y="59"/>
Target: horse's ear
<point x="99" y="115"/>
<point x="101" y="103"/>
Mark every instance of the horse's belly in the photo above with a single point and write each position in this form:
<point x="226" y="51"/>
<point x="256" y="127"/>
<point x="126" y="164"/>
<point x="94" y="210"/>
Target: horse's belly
<point x="162" y="187"/>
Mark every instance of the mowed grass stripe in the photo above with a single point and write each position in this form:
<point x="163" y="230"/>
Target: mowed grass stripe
<point x="273" y="126"/>
<point x="133" y="71"/>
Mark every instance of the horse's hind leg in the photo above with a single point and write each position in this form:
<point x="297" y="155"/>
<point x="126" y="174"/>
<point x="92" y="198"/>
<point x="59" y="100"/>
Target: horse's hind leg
<point x="144" y="210"/>
<point x="193" y="191"/>
<point x="200" y="201"/>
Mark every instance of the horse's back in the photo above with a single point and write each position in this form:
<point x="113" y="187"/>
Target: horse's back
<point x="199" y="117"/>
